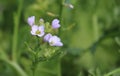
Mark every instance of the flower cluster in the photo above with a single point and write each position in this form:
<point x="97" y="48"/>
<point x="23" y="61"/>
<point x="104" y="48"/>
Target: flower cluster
<point x="39" y="30"/>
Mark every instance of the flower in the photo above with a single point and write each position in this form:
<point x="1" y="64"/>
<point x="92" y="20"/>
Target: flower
<point x="71" y="6"/>
<point x="31" y="20"/>
<point x="55" y="24"/>
<point x="38" y="30"/>
<point x="47" y="37"/>
<point x="41" y="20"/>
<point x="55" y="41"/>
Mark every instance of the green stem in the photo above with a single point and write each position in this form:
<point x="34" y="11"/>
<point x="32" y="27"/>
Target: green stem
<point x="60" y="14"/>
<point x="12" y="63"/>
<point x="34" y="66"/>
<point x="112" y="72"/>
<point x="16" y="19"/>
<point x="59" y="67"/>
<point x="16" y="67"/>
<point x="61" y="9"/>
<point x="34" y="63"/>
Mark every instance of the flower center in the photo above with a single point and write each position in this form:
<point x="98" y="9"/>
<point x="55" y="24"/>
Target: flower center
<point x="37" y="32"/>
<point x="52" y="42"/>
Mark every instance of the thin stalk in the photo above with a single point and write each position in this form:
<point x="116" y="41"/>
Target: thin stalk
<point x="34" y="64"/>
<point x="33" y="68"/>
<point x="59" y="67"/>
<point x="16" y="67"/>
<point x="16" y="18"/>
<point x="60" y="14"/>
<point x="61" y="9"/>
<point x="60" y="17"/>
<point x="112" y="72"/>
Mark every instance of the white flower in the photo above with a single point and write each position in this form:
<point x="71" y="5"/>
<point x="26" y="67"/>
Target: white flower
<point x="37" y="30"/>
<point x="55" y="41"/>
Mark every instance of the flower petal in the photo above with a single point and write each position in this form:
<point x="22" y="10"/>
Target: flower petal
<point x="33" y="33"/>
<point x="55" y="41"/>
<point x="54" y="38"/>
<point x="55" y="21"/>
<point x="47" y="37"/>
<point x="41" y="28"/>
<point x="59" y="44"/>
<point x="31" y="20"/>
<point x="34" y="29"/>
<point x="55" y="24"/>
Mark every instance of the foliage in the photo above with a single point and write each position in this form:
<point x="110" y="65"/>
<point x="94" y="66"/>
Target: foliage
<point x="90" y="32"/>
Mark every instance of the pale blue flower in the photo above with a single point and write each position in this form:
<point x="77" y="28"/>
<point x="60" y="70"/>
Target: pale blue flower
<point x="31" y="20"/>
<point x="55" y="24"/>
<point x="47" y="37"/>
<point x="55" y="41"/>
<point x="37" y="30"/>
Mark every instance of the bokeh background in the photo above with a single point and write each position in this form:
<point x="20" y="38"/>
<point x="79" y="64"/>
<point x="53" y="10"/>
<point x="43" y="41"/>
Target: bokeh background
<point x="90" y="32"/>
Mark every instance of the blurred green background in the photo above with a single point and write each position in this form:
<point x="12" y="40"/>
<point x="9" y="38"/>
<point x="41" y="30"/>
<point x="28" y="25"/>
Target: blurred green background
<point x="90" y="32"/>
